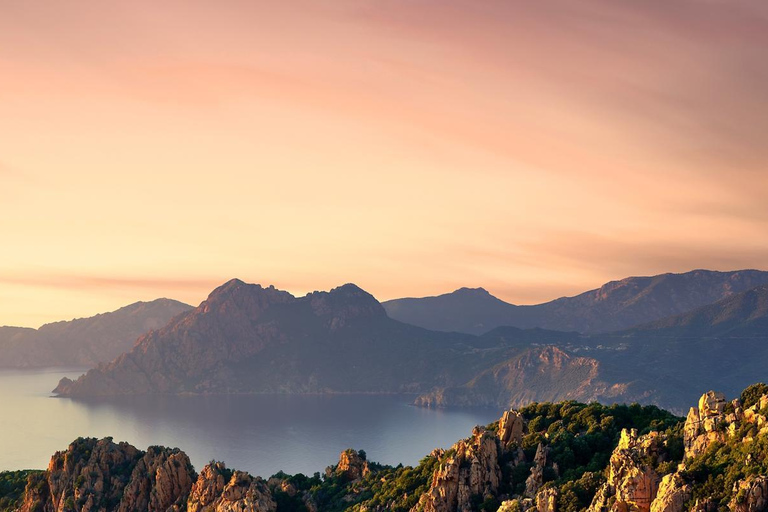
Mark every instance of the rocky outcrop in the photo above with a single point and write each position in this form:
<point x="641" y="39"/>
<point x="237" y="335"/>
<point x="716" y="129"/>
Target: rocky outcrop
<point x="750" y="495"/>
<point x="470" y="468"/>
<point x="510" y="506"/>
<point x="632" y="482"/>
<point x="511" y="427"/>
<point x="161" y="480"/>
<point x="351" y="466"/>
<point x="100" y="475"/>
<point x="701" y="424"/>
<point x="218" y="489"/>
<point x="709" y="422"/>
<point x="546" y="500"/>
<point x="536" y="478"/>
<point x="672" y="495"/>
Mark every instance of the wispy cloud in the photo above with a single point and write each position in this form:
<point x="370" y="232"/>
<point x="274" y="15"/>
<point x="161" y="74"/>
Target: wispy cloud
<point x="91" y="283"/>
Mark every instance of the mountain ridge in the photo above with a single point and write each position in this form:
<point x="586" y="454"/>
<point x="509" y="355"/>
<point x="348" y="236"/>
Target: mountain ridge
<point x="614" y="306"/>
<point x="85" y="341"/>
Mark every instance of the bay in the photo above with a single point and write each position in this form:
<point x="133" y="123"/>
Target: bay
<point x="261" y="434"/>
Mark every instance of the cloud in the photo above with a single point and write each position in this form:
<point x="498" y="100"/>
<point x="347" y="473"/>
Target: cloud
<point x="91" y="283"/>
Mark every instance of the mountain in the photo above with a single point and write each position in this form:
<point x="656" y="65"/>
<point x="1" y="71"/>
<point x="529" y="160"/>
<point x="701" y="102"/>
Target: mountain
<point x="738" y="316"/>
<point x="614" y="306"/>
<point x="723" y="344"/>
<point x="85" y="341"/>
<point x="544" y="457"/>
<point x="248" y="339"/>
<point x="664" y="362"/>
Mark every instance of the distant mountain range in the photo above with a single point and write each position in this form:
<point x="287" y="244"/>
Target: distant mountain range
<point x="249" y="339"/>
<point x="614" y="306"/>
<point x="85" y="341"/>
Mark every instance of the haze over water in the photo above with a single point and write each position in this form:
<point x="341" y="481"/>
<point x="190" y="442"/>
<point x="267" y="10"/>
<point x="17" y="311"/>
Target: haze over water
<point x="261" y="434"/>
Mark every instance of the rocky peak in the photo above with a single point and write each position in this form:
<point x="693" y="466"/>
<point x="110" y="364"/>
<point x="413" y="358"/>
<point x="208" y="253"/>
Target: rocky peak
<point x="236" y="296"/>
<point x="218" y="489"/>
<point x="711" y="405"/>
<point x="632" y="482"/>
<point x="344" y="304"/>
<point x="750" y="495"/>
<point x="161" y="480"/>
<point x="536" y="479"/>
<point x="709" y="422"/>
<point x="672" y="495"/>
<point x="472" y="292"/>
<point x="469" y="468"/>
<point x="352" y="466"/>
<point x="511" y="428"/>
<point x="99" y="475"/>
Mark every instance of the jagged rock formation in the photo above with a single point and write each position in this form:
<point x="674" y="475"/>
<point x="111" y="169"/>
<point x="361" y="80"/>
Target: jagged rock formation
<point x="701" y="423"/>
<point x="85" y="341"/>
<point x="351" y="466"/>
<point x="511" y="427"/>
<point x="632" y="482"/>
<point x="102" y="476"/>
<point x="750" y="495"/>
<point x="709" y="422"/>
<point x="99" y="475"/>
<point x="672" y="495"/>
<point x="470" y="468"/>
<point x="161" y="480"/>
<point x="220" y="490"/>
<point x="536" y="478"/>
<point x="546" y="500"/>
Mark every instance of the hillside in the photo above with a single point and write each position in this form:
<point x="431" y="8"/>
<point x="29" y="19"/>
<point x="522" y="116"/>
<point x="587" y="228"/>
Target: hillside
<point x="614" y="306"/>
<point x="85" y="341"/>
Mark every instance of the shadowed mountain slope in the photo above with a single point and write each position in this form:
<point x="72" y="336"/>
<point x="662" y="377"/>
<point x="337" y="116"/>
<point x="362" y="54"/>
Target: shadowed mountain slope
<point x="85" y="341"/>
<point x="614" y="306"/>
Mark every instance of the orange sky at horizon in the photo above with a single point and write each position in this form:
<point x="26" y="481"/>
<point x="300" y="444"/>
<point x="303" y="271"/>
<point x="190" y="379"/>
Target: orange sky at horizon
<point x="536" y="149"/>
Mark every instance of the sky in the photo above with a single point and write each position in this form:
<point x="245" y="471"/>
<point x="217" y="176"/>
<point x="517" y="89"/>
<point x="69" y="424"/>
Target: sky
<point x="537" y="149"/>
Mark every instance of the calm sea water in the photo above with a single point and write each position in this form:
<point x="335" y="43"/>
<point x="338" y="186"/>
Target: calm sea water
<point x="260" y="434"/>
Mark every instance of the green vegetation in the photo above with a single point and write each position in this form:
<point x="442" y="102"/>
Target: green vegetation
<point x="12" y="484"/>
<point x="714" y="472"/>
<point x="752" y="394"/>
<point x="581" y="438"/>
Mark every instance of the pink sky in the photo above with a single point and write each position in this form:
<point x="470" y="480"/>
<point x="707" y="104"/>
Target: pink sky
<point x="537" y="149"/>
